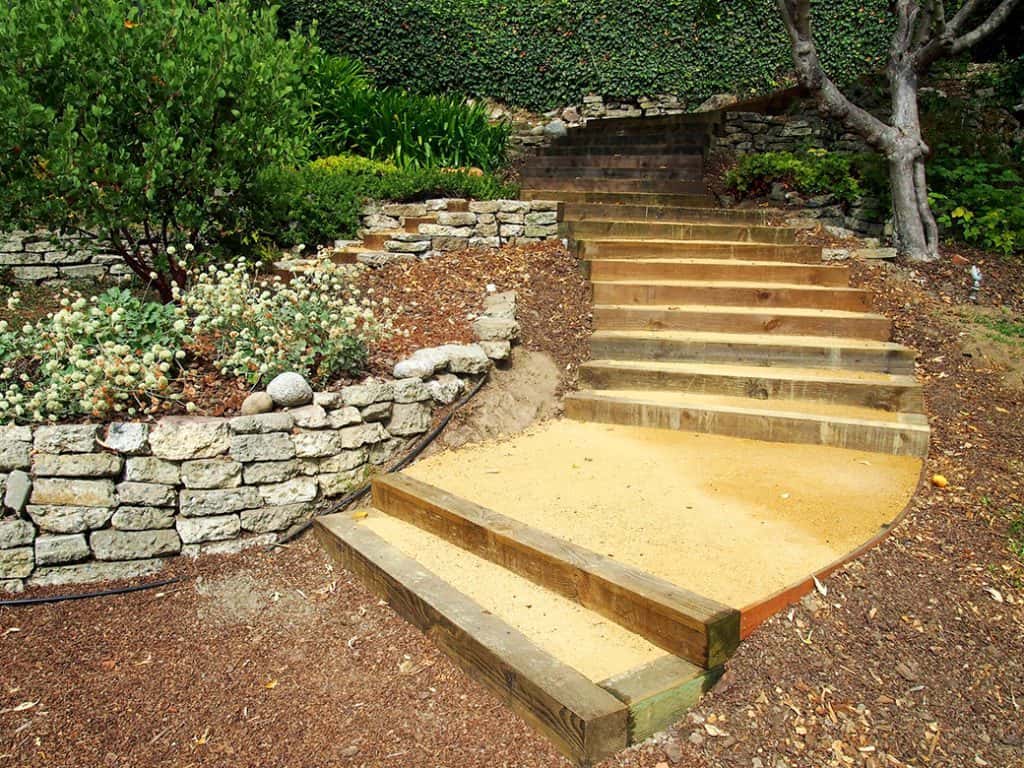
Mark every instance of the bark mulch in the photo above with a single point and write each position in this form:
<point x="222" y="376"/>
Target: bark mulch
<point x="914" y="657"/>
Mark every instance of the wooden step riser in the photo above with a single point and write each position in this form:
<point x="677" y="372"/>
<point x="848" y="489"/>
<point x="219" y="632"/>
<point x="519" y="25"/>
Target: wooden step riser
<point x="643" y="230"/>
<point x="534" y="174"/>
<point x="568" y="162"/>
<point x="898" y="362"/>
<point x="596" y="248"/>
<point x="622" y="185"/>
<point x="619" y="138"/>
<point x="375" y="241"/>
<point x="641" y="148"/>
<point x="798" y="274"/>
<point x="662" y="213"/>
<point x="905" y="399"/>
<point x="767" y="322"/>
<point x="896" y="439"/>
<point x="617" y="198"/>
<point x="687" y="625"/>
<point x="582" y="719"/>
<point x="731" y="296"/>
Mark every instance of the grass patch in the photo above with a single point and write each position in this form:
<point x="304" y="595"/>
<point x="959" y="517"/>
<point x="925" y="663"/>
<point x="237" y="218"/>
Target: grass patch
<point x="1005" y="329"/>
<point x="1017" y="532"/>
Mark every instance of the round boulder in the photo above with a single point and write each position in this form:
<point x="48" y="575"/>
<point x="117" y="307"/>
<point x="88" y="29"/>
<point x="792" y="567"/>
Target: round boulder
<point x="290" y="389"/>
<point x="257" y="402"/>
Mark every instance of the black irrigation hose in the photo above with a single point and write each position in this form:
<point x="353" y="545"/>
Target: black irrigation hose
<point x="357" y="494"/>
<point x="82" y="595"/>
<point x="336" y="507"/>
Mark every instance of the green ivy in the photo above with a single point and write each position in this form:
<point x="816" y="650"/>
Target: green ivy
<point x="542" y="54"/>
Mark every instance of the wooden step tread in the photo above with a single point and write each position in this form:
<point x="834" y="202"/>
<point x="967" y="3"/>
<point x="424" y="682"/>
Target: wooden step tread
<point x="747" y="405"/>
<point x="686" y="624"/>
<point x="838" y="314"/>
<point x="772" y="372"/>
<point x="747" y="339"/>
<point x="768" y="286"/>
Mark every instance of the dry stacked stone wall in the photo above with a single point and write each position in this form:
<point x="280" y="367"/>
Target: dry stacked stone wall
<point x="91" y="502"/>
<point x="46" y="257"/>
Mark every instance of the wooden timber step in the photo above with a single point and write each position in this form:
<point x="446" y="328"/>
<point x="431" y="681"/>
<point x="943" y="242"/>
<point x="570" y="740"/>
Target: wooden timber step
<point x="827" y="353"/>
<point x="663" y="213"/>
<point x="583" y="137"/>
<point x="722" y="319"/>
<point x="652" y="161"/>
<point x="659" y="230"/>
<point x="678" y="146"/>
<point x="659" y="248"/>
<point x="729" y="292"/>
<point x="882" y="391"/>
<point x="687" y="625"/>
<point x="611" y="270"/>
<point x="612" y="198"/>
<point x="668" y="186"/>
<point x="641" y="123"/>
<point x="785" y="421"/>
<point x="537" y="170"/>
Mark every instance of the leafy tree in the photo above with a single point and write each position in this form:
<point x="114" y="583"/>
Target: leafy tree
<point x="144" y="123"/>
<point x="924" y="32"/>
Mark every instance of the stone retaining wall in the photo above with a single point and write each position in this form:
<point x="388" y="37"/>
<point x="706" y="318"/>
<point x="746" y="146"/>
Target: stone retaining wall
<point x="46" y="257"/>
<point x="88" y="502"/>
<point x="457" y="224"/>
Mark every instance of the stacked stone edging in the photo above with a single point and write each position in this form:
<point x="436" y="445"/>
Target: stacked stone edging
<point x="458" y="224"/>
<point x="45" y="257"/>
<point x="89" y="502"/>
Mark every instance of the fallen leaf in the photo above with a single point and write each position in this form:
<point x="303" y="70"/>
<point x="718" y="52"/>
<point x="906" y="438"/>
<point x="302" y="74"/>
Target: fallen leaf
<point x="995" y="594"/>
<point x="20" y="707"/>
<point x="270" y="685"/>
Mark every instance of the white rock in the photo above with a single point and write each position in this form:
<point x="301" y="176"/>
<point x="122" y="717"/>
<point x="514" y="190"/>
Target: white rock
<point x="294" y="491"/>
<point x="73" y="492"/>
<point x="66" y="438"/>
<point x="146" y="494"/>
<point x="270" y="472"/>
<point x="274" y="446"/>
<point x="310" y="417"/>
<point x="67" y="548"/>
<point x="16" y="563"/>
<point x="15" y="533"/>
<point x="76" y="465"/>
<point x="497" y="350"/>
<point x="409" y="419"/>
<point x="218" y="502"/>
<point x="142" y="518"/>
<point x="268" y="519"/>
<point x="445" y="389"/>
<point x="149" y="469"/>
<point x="127" y="437"/>
<point x="134" y="545"/>
<point x="178" y="439"/>
<point x="369" y="392"/>
<point x="211" y="473"/>
<point x="195" y="530"/>
<point x="94" y="571"/>
<point x="343" y="417"/>
<point x="262" y="423"/>
<point x="17" y="490"/>
<point x="256" y="403"/>
<point x="289" y="390"/>
<point x="65" y="519"/>
<point x="410" y="390"/>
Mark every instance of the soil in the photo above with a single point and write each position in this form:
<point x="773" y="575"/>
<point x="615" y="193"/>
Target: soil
<point x="914" y="657"/>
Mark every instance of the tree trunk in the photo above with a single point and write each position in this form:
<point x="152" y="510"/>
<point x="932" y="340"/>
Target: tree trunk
<point x="914" y="227"/>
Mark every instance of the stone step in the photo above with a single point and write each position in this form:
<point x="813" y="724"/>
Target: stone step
<point x="644" y="231"/>
<point x="731" y="292"/>
<point x="828" y="353"/>
<point x="792" y="421"/>
<point x="693" y="160"/>
<point x="615" y="198"/>
<point x="611" y="270"/>
<point x="881" y="391"/>
<point x="663" y="213"/>
<point x="536" y="173"/>
<point x="719" y="319"/>
<point x="665" y="186"/>
<point x="621" y="248"/>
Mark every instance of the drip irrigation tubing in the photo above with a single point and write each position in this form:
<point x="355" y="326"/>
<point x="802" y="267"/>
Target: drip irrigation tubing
<point x="83" y="595"/>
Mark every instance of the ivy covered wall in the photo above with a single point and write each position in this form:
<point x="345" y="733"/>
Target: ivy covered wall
<point x="542" y="54"/>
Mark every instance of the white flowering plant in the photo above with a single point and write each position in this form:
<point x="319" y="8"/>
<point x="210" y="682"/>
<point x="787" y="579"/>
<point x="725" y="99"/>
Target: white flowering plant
<point x="319" y="324"/>
<point x="110" y="354"/>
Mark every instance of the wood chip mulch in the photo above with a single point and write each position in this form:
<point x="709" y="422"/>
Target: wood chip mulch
<point x="914" y="657"/>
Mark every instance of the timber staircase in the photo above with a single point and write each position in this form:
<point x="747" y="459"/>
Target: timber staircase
<point x="706" y="320"/>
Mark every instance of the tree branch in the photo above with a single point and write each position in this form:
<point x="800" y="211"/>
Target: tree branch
<point x="998" y="16"/>
<point x="796" y="17"/>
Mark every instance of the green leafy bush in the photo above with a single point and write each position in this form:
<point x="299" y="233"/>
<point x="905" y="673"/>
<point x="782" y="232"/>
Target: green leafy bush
<point x="320" y="202"/>
<point x="813" y="172"/>
<point x="114" y="353"/>
<point x="143" y="122"/>
<point x="978" y="201"/>
<point x="410" y="130"/>
<point x="543" y="54"/>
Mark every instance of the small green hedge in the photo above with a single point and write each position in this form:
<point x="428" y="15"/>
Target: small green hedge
<point x="547" y="53"/>
<point x="812" y="172"/>
<point x="320" y="202"/>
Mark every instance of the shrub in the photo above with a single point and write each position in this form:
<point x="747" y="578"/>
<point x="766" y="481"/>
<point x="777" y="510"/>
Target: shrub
<point x="319" y="324"/>
<point x="813" y="172"/>
<point x="110" y="354"/>
<point x="143" y="123"/>
<point x="978" y="201"/>
<point x="320" y="202"/>
<point x="410" y="130"/>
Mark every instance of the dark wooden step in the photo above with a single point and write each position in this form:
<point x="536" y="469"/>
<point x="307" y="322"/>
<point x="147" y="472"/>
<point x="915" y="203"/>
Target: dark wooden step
<point x="729" y="293"/>
<point x="659" y="230"/>
<point x="611" y="270"/>
<point x="633" y="248"/>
